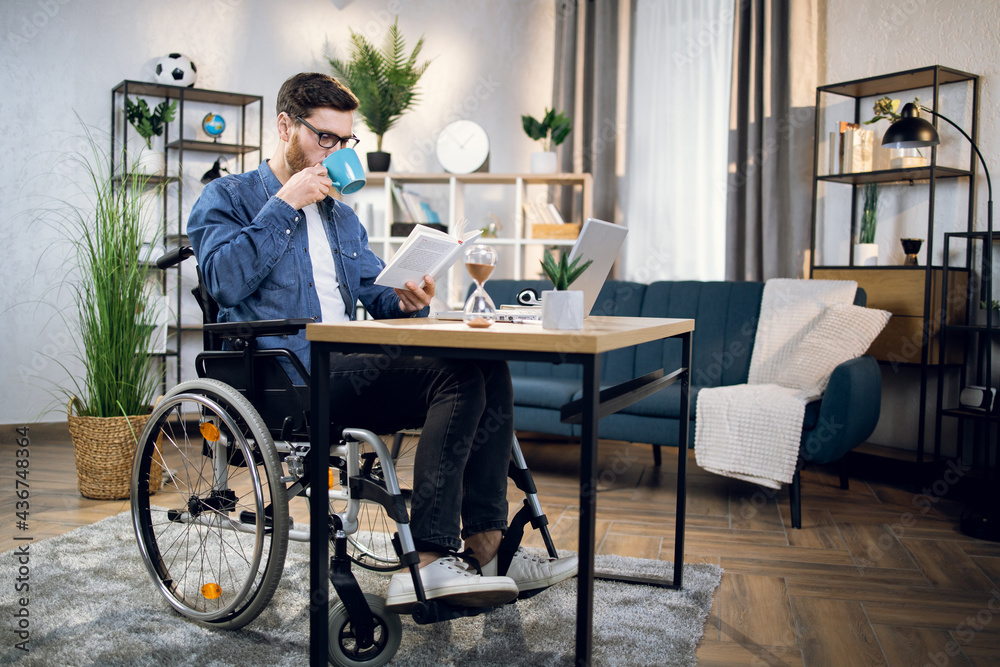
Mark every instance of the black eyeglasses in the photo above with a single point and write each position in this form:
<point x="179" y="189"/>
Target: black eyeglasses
<point x="327" y="140"/>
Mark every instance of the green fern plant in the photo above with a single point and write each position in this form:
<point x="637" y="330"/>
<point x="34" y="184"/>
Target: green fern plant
<point x="551" y="130"/>
<point x="563" y="273"/>
<point x="149" y="123"/>
<point x="384" y="80"/>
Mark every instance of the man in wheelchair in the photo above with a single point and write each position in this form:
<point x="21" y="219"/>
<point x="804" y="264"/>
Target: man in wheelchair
<point x="272" y="244"/>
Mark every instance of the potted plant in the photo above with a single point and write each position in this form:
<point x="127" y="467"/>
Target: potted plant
<point x="562" y="308"/>
<point x="899" y="158"/>
<point x="149" y="123"/>
<point x="866" y="250"/>
<point x="551" y="130"/>
<point x="116" y="316"/>
<point x="384" y="81"/>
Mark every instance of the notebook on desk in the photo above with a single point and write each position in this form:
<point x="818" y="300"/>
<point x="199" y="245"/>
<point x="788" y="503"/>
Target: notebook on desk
<point x="599" y="241"/>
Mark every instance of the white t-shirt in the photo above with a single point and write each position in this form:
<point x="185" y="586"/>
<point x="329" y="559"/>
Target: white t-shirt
<point x="331" y="303"/>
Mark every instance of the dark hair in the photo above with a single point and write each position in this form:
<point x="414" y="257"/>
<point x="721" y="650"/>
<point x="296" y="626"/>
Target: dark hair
<point x="302" y="93"/>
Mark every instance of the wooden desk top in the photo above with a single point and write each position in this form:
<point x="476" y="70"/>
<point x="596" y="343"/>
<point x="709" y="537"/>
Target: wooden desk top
<point x="599" y="334"/>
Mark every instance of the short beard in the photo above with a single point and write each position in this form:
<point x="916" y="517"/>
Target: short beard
<point x="295" y="157"/>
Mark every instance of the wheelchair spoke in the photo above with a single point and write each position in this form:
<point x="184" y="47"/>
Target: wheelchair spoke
<point x="209" y="564"/>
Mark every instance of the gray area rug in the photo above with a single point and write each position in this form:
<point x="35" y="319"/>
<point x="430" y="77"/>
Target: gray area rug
<point x="92" y="602"/>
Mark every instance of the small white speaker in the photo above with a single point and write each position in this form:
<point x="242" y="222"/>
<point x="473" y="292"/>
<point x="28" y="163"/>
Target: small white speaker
<point x="980" y="398"/>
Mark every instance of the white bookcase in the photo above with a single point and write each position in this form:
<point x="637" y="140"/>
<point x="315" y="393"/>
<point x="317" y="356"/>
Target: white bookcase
<point x="472" y="196"/>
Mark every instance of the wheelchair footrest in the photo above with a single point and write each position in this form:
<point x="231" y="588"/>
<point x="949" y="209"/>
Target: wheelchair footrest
<point x="435" y="611"/>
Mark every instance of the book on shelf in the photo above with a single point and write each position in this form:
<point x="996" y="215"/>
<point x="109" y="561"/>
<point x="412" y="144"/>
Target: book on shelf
<point x="401" y="205"/>
<point x="834" y="166"/>
<point x="426" y="251"/>
<point x="856" y="148"/>
<point x="413" y="207"/>
<point x="536" y="213"/>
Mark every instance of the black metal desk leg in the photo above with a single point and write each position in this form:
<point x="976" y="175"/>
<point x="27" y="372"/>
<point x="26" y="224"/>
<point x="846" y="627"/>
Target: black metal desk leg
<point x="319" y="546"/>
<point x="588" y="510"/>
<point x="682" y="456"/>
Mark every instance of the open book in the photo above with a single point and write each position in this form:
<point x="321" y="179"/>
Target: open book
<point x="426" y="251"/>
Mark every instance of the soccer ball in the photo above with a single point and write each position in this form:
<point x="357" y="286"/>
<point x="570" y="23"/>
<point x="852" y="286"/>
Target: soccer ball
<point x="175" y="69"/>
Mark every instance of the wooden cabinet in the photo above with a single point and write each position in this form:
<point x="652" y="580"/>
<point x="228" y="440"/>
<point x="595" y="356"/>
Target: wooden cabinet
<point x="902" y="292"/>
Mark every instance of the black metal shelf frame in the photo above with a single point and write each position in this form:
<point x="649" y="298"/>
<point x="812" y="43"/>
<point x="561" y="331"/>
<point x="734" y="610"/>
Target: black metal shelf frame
<point x="171" y="231"/>
<point x="932" y="77"/>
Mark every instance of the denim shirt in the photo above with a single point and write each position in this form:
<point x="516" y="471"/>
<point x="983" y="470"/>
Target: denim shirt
<point x="253" y="252"/>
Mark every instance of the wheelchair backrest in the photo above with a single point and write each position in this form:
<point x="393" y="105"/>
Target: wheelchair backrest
<point x="260" y="377"/>
<point x="257" y="374"/>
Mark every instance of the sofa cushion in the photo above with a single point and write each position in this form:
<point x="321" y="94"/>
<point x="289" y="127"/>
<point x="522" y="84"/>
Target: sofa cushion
<point x="544" y="392"/>
<point x="810" y="363"/>
<point x="725" y="315"/>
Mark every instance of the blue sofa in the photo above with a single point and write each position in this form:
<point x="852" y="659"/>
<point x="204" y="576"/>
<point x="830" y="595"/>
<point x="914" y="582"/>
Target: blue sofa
<point x="726" y="315"/>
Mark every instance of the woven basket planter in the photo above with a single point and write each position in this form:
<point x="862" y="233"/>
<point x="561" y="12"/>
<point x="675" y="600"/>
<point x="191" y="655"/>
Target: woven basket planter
<point x="104" y="448"/>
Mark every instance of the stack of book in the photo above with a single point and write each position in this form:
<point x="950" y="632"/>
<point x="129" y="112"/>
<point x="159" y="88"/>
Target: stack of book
<point x="413" y="208"/>
<point x="546" y="214"/>
<point x="855" y="149"/>
<point x="545" y="222"/>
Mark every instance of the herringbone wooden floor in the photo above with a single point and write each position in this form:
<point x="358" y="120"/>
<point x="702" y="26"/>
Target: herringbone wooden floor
<point x="878" y="575"/>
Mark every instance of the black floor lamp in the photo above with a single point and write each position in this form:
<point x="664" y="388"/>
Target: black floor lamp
<point x="912" y="131"/>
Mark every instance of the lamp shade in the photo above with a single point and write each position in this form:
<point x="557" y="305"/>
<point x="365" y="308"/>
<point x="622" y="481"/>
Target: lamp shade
<point x="910" y="131"/>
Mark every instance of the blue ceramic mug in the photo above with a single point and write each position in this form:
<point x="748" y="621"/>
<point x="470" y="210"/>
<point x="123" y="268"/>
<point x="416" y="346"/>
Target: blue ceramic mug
<point x="345" y="170"/>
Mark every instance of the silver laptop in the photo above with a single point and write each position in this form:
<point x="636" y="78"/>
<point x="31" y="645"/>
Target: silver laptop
<point x="599" y="241"/>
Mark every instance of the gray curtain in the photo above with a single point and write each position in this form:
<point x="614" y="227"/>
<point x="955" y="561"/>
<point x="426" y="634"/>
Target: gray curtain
<point x="587" y="43"/>
<point x="775" y="72"/>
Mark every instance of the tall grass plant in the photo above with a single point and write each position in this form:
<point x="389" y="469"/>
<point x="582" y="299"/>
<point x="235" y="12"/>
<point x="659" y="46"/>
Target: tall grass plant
<point x="110" y="230"/>
<point x="869" y="214"/>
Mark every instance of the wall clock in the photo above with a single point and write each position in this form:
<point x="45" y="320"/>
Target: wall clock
<point x="462" y="147"/>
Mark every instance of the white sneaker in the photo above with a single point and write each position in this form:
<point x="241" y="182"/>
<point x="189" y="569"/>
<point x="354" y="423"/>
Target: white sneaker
<point x="450" y="579"/>
<point x="531" y="572"/>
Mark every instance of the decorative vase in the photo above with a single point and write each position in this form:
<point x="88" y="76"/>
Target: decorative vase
<point x="379" y="161"/>
<point x="866" y="254"/>
<point x="906" y="158"/>
<point x="562" y="309"/>
<point x="544" y="162"/>
<point x="141" y="159"/>
<point x="910" y="248"/>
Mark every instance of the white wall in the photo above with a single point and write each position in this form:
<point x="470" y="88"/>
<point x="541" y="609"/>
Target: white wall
<point x="492" y="62"/>
<point x="868" y="38"/>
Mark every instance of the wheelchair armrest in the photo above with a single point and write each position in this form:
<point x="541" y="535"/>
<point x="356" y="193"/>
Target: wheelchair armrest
<point x="258" y="328"/>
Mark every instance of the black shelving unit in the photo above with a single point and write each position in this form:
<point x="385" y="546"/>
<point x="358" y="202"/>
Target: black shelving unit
<point x="868" y="89"/>
<point x="178" y="139"/>
<point x="978" y="339"/>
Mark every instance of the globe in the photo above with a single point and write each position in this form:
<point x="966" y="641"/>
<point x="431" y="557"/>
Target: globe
<point x="214" y="125"/>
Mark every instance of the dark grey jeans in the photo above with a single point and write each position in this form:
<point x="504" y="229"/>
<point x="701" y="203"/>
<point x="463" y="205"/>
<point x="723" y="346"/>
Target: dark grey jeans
<point x="466" y="411"/>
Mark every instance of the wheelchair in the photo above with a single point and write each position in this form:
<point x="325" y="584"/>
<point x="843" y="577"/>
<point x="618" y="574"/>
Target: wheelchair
<point x="230" y="450"/>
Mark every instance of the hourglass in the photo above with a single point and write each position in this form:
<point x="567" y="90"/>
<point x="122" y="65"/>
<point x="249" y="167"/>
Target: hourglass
<point x="479" y="309"/>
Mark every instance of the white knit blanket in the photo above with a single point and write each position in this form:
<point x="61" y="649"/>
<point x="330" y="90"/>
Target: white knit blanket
<point x="752" y="431"/>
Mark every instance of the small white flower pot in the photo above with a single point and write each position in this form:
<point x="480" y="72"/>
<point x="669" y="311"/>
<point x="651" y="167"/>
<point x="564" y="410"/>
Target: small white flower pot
<point x="866" y="254"/>
<point x="562" y="309"/>
<point x="544" y="162"/>
<point x="151" y="162"/>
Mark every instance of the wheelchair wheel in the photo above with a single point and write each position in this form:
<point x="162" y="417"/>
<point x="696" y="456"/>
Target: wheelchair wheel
<point x="214" y="537"/>
<point x="371" y="546"/>
<point x="344" y="650"/>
